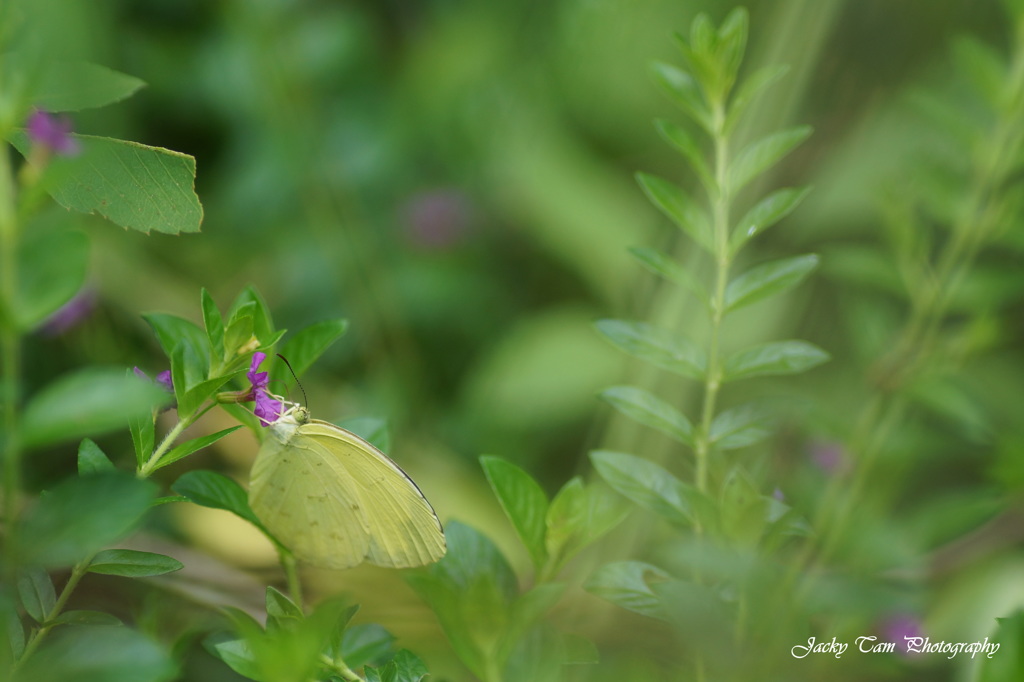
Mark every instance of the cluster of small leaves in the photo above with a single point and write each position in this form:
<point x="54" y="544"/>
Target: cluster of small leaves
<point x="725" y="502"/>
<point x="321" y="645"/>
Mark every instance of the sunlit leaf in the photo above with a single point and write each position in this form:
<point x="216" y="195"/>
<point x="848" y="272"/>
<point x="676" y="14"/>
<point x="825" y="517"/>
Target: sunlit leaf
<point x="777" y="357"/>
<point x="764" y="214"/>
<point x="741" y="426"/>
<point x="524" y="502"/>
<point x="768" y="279"/>
<point x="761" y="155"/>
<point x="646" y="483"/>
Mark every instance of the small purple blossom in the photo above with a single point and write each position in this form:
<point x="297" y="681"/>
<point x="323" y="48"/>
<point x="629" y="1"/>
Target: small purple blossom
<point x="437" y="219"/>
<point x="829" y="457"/>
<point x="778" y="495"/>
<point x="901" y="627"/>
<point x="163" y="378"/>
<point x="267" y="408"/>
<point x="52" y="132"/>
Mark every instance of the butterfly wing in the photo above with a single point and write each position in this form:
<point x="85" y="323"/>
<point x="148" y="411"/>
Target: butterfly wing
<point x="304" y="495"/>
<point x="403" y="529"/>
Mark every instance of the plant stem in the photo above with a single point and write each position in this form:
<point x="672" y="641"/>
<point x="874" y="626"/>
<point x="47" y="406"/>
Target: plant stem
<point x="37" y="636"/>
<point x="10" y="350"/>
<point x="291" y="573"/>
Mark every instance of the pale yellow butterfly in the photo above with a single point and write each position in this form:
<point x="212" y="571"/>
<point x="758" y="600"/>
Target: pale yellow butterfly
<point x="335" y="500"/>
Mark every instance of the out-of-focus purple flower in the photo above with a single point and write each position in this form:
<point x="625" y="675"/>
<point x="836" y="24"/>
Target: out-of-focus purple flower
<point x="901" y="627"/>
<point x="267" y="408"/>
<point x="70" y="314"/>
<point x="830" y="457"/>
<point x="437" y="219"/>
<point x="777" y="494"/>
<point x="52" y="132"/>
<point x="163" y="378"/>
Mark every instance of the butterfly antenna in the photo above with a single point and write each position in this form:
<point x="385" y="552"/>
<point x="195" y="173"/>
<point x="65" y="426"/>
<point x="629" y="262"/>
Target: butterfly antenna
<point x="305" y="400"/>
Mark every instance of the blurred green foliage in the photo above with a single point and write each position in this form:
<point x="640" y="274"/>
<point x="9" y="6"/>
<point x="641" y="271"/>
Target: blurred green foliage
<point x="456" y="180"/>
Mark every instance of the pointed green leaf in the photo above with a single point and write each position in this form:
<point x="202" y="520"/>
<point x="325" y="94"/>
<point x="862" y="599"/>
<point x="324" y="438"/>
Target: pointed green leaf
<point x="91" y="459"/>
<point x="365" y="643"/>
<point x="684" y="92"/>
<point x="741" y="426"/>
<point x="12" y="630"/>
<point x="628" y="584"/>
<point x="263" y="323"/>
<point x="307" y="345"/>
<point x="767" y="280"/>
<point x="209" y="489"/>
<point x="88" y="402"/>
<point x="235" y="652"/>
<point x="732" y="42"/>
<point x="132" y="563"/>
<point x="280" y="607"/>
<point x="403" y="667"/>
<point x="37" y="594"/>
<point x="749" y="89"/>
<point x="143" y="430"/>
<point x="170" y="330"/>
<point x="684" y="142"/>
<point x="657" y="346"/>
<point x="662" y="264"/>
<point x="743" y="508"/>
<point x="80" y="515"/>
<point x="777" y="357"/>
<point x="766" y="213"/>
<point x="193" y="445"/>
<point x="214" y="324"/>
<point x="524" y="503"/>
<point x="130" y="184"/>
<point x="650" y="411"/>
<point x="87" y="618"/>
<point x="646" y="483"/>
<point x="680" y="208"/>
<point x="198" y="394"/>
<point x="761" y="155"/>
<point x="72" y="86"/>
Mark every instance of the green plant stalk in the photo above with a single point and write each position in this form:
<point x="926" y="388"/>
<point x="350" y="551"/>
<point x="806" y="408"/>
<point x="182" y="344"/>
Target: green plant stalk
<point x="920" y="337"/>
<point x="79" y="570"/>
<point x="344" y="672"/>
<point x="10" y="350"/>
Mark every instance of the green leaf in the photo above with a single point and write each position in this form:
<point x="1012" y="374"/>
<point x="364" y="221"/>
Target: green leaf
<point x="766" y="213"/>
<point x="404" y="667"/>
<point x="72" y="86"/>
<point x="657" y="346"/>
<point x="524" y="502"/>
<point x="209" y="489"/>
<point x="143" y="430"/>
<point x="235" y="652"/>
<point x="761" y="155"/>
<point x="190" y="446"/>
<point x="662" y="264"/>
<point x="767" y="280"/>
<point x="687" y="146"/>
<point x="732" y="42"/>
<point x="240" y="331"/>
<point x="1008" y="662"/>
<point x="741" y="426"/>
<point x="684" y="92"/>
<point x="680" y="209"/>
<point x="52" y="265"/>
<point x="650" y="410"/>
<point x="743" y="509"/>
<point x="777" y="357"/>
<point x="87" y="618"/>
<point x="170" y="330"/>
<point x="214" y="326"/>
<point x="647" y="484"/>
<point x="983" y="67"/>
<point x="12" y="631"/>
<point x="36" y="591"/>
<point x="92" y="460"/>
<point x="628" y="584"/>
<point x="198" y="394"/>
<point x="82" y="514"/>
<point x="579" y="515"/>
<point x="304" y="347"/>
<point x="88" y="402"/>
<point x="263" y="323"/>
<point x="365" y="643"/>
<point x="752" y="86"/>
<point x="131" y="563"/>
<point x="280" y="608"/>
<point x="98" y="654"/>
<point x="130" y="184"/>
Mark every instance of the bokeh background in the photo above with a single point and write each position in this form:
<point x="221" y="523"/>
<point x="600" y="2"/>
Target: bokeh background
<point x="456" y="179"/>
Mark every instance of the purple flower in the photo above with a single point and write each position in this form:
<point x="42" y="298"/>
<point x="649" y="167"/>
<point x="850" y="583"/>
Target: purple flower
<point x="267" y="408"/>
<point x="830" y="457"/>
<point x="52" y="132"/>
<point x="778" y="495"/>
<point x="163" y="378"/>
<point x="437" y="219"/>
<point x="901" y="627"/>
